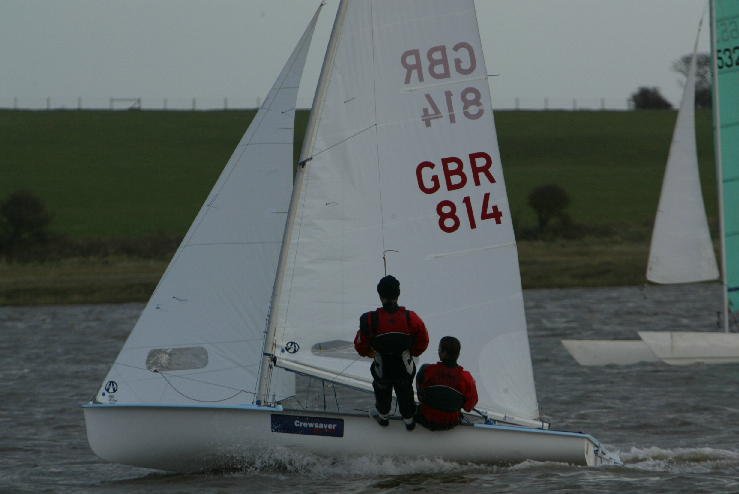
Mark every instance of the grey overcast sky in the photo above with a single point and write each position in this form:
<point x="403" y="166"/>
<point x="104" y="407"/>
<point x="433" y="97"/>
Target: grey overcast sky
<point x="216" y="49"/>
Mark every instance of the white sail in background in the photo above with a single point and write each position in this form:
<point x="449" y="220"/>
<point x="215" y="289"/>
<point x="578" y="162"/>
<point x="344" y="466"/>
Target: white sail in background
<point x="404" y="162"/>
<point x="681" y="250"/>
<point x="200" y="337"/>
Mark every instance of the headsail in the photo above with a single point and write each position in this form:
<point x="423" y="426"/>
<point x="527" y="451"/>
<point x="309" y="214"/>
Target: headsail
<point x="681" y="250"/>
<point x="199" y="339"/>
<point x="404" y="162"/>
<point x="726" y="114"/>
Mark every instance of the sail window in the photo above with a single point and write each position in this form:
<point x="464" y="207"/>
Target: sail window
<point x="335" y="349"/>
<point x="175" y="359"/>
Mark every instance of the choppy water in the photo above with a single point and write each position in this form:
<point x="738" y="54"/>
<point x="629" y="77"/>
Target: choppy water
<point x="676" y="428"/>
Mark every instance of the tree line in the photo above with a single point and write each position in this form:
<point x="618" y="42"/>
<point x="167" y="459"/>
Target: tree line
<point x="650" y="98"/>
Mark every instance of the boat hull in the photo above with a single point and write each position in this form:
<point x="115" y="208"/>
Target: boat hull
<point x="609" y="352"/>
<point x="188" y="438"/>
<point x="693" y="347"/>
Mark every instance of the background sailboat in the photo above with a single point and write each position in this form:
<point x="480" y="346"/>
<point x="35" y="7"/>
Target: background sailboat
<point x="681" y="249"/>
<point x="400" y="167"/>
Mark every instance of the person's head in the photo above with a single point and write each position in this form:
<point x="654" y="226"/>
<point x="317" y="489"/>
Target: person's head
<point x="449" y="348"/>
<point x="388" y="289"/>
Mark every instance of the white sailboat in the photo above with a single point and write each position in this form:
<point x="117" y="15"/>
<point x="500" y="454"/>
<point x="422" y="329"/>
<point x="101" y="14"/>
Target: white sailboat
<point x="681" y="250"/>
<point x="400" y="168"/>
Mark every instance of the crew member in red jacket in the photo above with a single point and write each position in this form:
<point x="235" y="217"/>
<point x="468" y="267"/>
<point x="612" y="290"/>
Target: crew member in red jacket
<point x="392" y="336"/>
<point x="444" y="388"/>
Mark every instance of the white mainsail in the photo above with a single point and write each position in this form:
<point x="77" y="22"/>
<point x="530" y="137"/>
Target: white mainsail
<point x="403" y="162"/>
<point x="199" y="339"/>
<point x="681" y="250"/>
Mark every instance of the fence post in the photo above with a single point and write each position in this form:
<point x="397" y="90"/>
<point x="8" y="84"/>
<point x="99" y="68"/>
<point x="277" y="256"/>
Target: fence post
<point x="48" y="103"/>
<point x="225" y="103"/>
<point x="15" y="102"/>
<point x="193" y="104"/>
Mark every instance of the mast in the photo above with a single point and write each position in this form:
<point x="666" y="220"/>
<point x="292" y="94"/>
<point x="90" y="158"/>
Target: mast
<point x="719" y="165"/>
<point x="268" y="352"/>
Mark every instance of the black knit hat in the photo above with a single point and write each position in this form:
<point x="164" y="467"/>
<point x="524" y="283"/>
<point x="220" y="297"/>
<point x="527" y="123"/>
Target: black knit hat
<point x="388" y="288"/>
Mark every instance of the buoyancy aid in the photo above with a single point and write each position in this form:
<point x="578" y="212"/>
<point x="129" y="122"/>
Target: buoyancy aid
<point x="443" y="390"/>
<point x="389" y="334"/>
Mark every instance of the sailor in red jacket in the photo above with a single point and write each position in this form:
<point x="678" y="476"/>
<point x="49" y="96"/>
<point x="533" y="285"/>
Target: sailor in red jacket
<point x="392" y="335"/>
<point x="443" y="388"/>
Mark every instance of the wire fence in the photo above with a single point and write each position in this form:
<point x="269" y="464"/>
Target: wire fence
<point x="211" y="104"/>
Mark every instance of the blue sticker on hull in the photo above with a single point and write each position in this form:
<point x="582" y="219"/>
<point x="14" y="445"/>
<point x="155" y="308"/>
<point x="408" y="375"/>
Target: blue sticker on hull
<point x="312" y="426"/>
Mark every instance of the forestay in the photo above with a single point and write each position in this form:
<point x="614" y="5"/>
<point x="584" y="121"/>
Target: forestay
<point x="404" y="163"/>
<point x="200" y="337"/>
<point x="681" y="250"/>
<point x="726" y="94"/>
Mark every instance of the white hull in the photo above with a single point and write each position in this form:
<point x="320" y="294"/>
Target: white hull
<point x="609" y="352"/>
<point x="690" y="347"/>
<point x="191" y="438"/>
<point x="670" y="347"/>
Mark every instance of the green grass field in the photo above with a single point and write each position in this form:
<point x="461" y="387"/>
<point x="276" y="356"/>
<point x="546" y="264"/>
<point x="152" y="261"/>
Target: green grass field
<point x="129" y="174"/>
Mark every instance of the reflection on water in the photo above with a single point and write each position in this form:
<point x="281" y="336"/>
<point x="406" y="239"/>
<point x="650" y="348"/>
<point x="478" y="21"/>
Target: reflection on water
<point x="675" y="427"/>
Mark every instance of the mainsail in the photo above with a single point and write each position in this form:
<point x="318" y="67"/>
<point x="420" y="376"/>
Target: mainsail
<point x="681" y="250"/>
<point x="402" y="165"/>
<point x="726" y="115"/>
<point x="199" y="339"/>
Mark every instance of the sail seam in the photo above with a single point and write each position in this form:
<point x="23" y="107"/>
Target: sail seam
<point x="470" y="251"/>
<point x="444" y="84"/>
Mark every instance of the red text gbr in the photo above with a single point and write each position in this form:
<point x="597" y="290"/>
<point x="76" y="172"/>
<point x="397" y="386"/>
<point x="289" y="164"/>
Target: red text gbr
<point x="454" y="175"/>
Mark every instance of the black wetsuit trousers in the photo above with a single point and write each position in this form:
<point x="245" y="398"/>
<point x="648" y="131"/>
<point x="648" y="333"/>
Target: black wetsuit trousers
<point x="394" y="378"/>
<point x="403" y="393"/>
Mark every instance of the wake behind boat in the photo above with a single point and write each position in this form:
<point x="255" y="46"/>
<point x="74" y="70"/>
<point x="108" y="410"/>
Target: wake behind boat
<point x="400" y="169"/>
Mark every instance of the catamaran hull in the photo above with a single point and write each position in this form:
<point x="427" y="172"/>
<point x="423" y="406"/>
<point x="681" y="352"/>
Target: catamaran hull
<point x="609" y="352"/>
<point x="693" y="347"/>
<point x="186" y="439"/>
<point x="670" y="347"/>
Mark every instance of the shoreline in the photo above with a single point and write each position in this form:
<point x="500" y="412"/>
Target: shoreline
<point x="553" y="264"/>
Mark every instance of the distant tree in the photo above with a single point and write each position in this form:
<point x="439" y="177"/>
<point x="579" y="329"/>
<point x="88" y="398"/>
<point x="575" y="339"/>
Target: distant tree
<point x="549" y="201"/>
<point x="649" y="98"/>
<point x="23" y="224"/>
<point x="703" y="78"/>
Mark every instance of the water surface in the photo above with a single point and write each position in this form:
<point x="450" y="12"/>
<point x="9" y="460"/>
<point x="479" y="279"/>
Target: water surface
<point x="676" y="428"/>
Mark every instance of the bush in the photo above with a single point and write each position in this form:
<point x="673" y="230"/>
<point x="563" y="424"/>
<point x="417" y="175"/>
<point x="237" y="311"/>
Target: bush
<point x="549" y="201"/>
<point x="24" y="223"/>
<point x="649" y="98"/>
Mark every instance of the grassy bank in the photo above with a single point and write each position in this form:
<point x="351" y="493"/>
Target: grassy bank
<point x="543" y="265"/>
<point x="133" y="174"/>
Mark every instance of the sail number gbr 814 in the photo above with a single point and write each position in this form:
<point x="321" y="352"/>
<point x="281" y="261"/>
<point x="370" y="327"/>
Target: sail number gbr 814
<point x="441" y="62"/>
